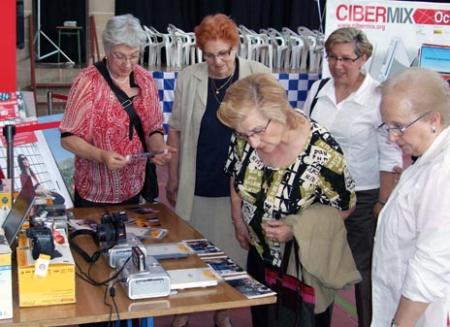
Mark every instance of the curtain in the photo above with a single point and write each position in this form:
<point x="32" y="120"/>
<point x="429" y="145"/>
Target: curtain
<point x="254" y="14"/>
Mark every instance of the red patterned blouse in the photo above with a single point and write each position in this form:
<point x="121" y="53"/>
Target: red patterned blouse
<point x="94" y="114"/>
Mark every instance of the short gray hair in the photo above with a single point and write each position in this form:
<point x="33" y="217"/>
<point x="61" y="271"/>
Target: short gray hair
<point x="350" y="35"/>
<point x="420" y="90"/>
<point x="123" y="30"/>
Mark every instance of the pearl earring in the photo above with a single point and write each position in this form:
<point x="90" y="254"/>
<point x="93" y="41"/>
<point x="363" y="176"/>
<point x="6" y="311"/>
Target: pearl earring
<point x="433" y="129"/>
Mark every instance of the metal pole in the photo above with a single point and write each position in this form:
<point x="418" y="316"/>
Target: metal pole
<point x="8" y="132"/>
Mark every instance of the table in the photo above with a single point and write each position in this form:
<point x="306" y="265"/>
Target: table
<point x="295" y="84"/>
<point x="70" y="31"/>
<point x="90" y="307"/>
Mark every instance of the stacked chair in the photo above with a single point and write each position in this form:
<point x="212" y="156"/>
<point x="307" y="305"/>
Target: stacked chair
<point x="285" y="50"/>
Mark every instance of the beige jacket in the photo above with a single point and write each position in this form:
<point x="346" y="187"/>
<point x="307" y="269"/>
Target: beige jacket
<point x="327" y="261"/>
<point x="188" y="108"/>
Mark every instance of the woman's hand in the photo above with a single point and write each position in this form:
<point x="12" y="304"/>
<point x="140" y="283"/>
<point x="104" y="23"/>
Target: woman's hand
<point x="163" y="156"/>
<point x="113" y="160"/>
<point x="276" y="230"/>
<point x="241" y="232"/>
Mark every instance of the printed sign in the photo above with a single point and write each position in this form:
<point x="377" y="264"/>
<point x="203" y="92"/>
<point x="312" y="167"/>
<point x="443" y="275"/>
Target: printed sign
<point x="397" y="29"/>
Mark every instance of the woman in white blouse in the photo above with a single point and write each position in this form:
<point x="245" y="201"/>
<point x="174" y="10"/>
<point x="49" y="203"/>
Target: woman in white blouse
<point x="348" y="105"/>
<point x="411" y="260"/>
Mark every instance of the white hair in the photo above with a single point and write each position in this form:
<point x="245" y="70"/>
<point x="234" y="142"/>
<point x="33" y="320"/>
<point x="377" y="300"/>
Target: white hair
<point x="123" y="30"/>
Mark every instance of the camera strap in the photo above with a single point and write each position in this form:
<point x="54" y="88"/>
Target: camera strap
<point x="78" y="249"/>
<point x="125" y="102"/>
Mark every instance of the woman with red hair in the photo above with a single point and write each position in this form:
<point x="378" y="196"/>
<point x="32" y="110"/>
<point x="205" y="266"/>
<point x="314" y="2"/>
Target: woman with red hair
<point x="198" y="185"/>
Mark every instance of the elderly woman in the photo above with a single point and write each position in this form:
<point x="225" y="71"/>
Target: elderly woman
<point x="280" y="164"/>
<point x="98" y="130"/>
<point x="348" y="106"/>
<point x="197" y="185"/>
<point x="411" y="260"/>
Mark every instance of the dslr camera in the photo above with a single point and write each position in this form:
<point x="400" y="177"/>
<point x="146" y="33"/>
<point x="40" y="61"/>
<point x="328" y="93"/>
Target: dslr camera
<point x="111" y="230"/>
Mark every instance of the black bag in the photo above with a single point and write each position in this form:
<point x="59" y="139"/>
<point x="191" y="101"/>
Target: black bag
<point x="292" y="294"/>
<point x="150" y="190"/>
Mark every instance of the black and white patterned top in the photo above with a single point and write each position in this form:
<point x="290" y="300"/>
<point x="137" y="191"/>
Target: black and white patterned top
<point x="319" y="174"/>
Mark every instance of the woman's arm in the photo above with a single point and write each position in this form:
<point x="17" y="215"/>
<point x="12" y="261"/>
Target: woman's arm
<point x="387" y="184"/>
<point x="83" y="149"/>
<point x="240" y="226"/>
<point x="408" y="312"/>
<point x="163" y="153"/>
<point x="173" y="140"/>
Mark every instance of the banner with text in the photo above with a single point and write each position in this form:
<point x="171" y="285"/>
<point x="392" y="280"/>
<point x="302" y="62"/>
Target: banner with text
<point x="397" y="29"/>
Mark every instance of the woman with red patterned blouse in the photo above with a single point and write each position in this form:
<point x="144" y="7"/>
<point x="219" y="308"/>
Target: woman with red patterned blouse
<point x="96" y="128"/>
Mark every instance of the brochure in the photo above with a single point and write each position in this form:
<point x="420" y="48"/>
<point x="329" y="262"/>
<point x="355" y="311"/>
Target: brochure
<point x="203" y="247"/>
<point x="249" y="287"/>
<point x="224" y="266"/>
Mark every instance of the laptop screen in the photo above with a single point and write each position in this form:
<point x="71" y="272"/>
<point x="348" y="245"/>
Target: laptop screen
<point x="19" y="211"/>
<point x="435" y="57"/>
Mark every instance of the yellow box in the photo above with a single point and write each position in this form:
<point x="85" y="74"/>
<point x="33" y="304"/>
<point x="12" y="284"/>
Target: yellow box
<point x="6" y="302"/>
<point x="5" y="199"/>
<point x="57" y="287"/>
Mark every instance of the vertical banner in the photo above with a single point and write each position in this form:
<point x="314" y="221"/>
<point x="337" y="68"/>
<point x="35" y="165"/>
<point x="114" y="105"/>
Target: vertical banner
<point x="7" y="45"/>
<point x="397" y="29"/>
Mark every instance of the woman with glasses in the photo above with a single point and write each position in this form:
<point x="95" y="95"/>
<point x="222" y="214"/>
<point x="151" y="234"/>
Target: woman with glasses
<point x="411" y="259"/>
<point x="348" y="106"/>
<point x="98" y="130"/>
<point x="197" y="185"/>
<point x="280" y="163"/>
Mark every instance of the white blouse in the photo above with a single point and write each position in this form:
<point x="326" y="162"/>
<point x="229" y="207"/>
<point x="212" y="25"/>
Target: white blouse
<point x="412" y="243"/>
<point x="353" y="122"/>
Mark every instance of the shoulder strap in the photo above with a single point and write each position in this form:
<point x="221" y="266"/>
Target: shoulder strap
<point x="125" y="102"/>
<point x="314" y="101"/>
<point x="286" y="256"/>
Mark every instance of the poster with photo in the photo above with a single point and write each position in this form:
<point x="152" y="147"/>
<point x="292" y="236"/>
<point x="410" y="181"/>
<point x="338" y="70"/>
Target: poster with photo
<point x="33" y="158"/>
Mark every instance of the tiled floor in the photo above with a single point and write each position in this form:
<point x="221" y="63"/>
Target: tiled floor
<point x="344" y="313"/>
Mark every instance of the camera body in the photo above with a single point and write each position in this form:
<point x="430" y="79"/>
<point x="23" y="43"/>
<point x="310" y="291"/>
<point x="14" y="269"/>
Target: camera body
<point x="41" y="241"/>
<point x="143" y="277"/>
<point x="111" y="230"/>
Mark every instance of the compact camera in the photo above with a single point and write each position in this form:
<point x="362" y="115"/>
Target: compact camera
<point x="41" y="241"/>
<point x="111" y="230"/>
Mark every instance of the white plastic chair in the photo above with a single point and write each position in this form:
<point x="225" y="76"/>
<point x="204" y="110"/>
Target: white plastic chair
<point x="279" y="46"/>
<point x="155" y="44"/>
<point x="296" y="45"/>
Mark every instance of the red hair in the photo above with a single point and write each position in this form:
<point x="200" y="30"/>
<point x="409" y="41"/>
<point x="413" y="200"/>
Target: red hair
<point x="216" y="27"/>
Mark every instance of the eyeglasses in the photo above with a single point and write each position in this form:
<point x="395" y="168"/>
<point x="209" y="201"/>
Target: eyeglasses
<point x="220" y="55"/>
<point x="255" y="132"/>
<point x="399" y="130"/>
<point x="332" y="59"/>
<point x="120" y="57"/>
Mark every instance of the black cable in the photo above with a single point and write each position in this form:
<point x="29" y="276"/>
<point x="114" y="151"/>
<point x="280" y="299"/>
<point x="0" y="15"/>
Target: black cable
<point x="112" y="294"/>
<point x="108" y="305"/>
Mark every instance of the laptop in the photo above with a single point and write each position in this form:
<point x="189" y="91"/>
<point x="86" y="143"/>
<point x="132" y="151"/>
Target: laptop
<point x="435" y="57"/>
<point x="19" y="212"/>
